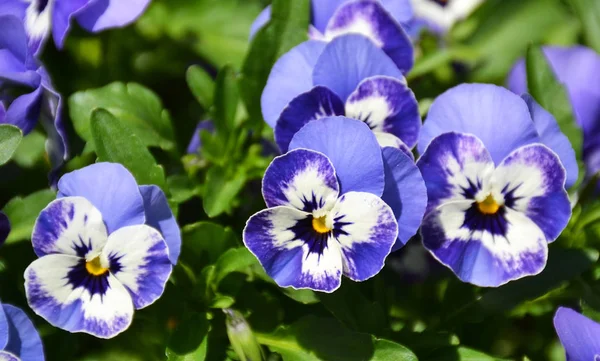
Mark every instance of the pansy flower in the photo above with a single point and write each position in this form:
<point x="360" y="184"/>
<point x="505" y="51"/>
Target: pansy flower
<point x="495" y="183"/>
<point x="378" y="20"/>
<point x="19" y="340"/>
<point x="106" y="247"/>
<point x="348" y="76"/>
<point x="440" y="15"/>
<point x="578" y="68"/>
<point x="328" y="209"/>
<point x="27" y="96"/>
<point x="579" y="335"/>
<point x="45" y="17"/>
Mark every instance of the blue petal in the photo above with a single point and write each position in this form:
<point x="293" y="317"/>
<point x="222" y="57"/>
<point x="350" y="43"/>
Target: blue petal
<point x="23" y="339"/>
<point x="352" y="149"/>
<point x="495" y="115"/>
<point x="322" y="11"/>
<point x="100" y="306"/>
<point x="24" y="112"/>
<point x="401" y="10"/>
<point x="290" y="76"/>
<point x="4" y="231"/>
<point x="160" y="216"/>
<point x="404" y="192"/>
<point x="139" y="259"/>
<point x="302" y="179"/>
<point x="13" y="39"/>
<point x="106" y="14"/>
<point x="3" y="328"/>
<point x="292" y="254"/>
<point x="452" y="165"/>
<point x="386" y="105"/>
<point x="348" y="60"/>
<point x="551" y="135"/>
<point x="366" y="229"/>
<point x="62" y="14"/>
<point x="535" y="178"/>
<point x="110" y="188"/>
<point x="579" y="335"/>
<point x="196" y="142"/>
<point x="261" y="20"/>
<point x="318" y="103"/>
<point x="370" y="19"/>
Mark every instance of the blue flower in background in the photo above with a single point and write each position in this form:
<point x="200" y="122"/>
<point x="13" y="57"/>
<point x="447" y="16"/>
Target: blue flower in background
<point x="379" y="20"/>
<point x="579" y="335"/>
<point x="496" y="187"/>
<point x="19" y="340"/>
<point x="332" y="201"/>
<point x="348" y="76"/>
<point x="106" y="247"/>
<point x="578" y="68"/>
<point x="440" y="15"/>
<point x="45" y="17"/>
<point x="27" y="96"/>
<point x="4" y="228"/>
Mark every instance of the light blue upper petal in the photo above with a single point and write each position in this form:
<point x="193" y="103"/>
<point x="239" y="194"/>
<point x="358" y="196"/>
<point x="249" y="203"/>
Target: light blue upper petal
<point x="579" y="335"/>
<point x="498" y="117"/>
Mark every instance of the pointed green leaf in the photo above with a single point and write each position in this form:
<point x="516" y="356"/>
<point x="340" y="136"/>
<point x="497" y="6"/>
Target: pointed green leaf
<point x="10" y="138"/>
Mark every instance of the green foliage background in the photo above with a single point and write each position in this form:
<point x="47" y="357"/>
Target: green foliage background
<point x="135" y="96"/>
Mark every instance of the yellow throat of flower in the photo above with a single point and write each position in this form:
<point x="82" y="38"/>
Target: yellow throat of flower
<point x="319" y="225"/>
<point x="488" y="206"/>
<point x="94" y="267"/>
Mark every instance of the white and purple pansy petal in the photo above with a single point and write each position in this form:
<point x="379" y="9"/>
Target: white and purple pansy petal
<point x="481" y="109"/>
<point x="455" y="167"/>
<point x="7" y="356"/>
<point x="138" y="257"/>
<point x="579" y="335"/>
<point x="159" y="216"/>
<point x="23" y="338"/>
<point x="366" y="229"/>
<point x="348" y="60"/>
<point x="551" y="136"/>
<point x="120" y="201"/>
<point x="70" y="225"/>
<point x="351" y="147"/>
<point x="531" y="180"/>
<point x="295" y="248"/>
<point x="303" y="179"/>
<point x="370" y="19"/>
<point x="290" y="76"/>
<point x="404" y="192"/>
<point x="78" y="295"/>
<point x="315" y="104"/>
<point x="386" y="104"/>
<point x="390" y="140"/>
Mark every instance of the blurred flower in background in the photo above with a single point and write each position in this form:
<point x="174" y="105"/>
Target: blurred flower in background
<point x="440" y="15"/>
<point x="19" y="340"/>
<point x="45" y="17"/>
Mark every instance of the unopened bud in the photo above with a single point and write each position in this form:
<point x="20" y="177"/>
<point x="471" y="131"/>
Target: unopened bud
<point x="241" y="337"/>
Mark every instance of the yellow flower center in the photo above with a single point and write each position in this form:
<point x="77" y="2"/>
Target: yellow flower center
<point x="94" y="267"/>
<point x="319" y="225"/>
<point x="488" y="206"/>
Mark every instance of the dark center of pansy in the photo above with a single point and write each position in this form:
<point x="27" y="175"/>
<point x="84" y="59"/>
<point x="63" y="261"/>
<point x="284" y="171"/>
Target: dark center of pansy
<point x="441" y="2"/>
<point x="319" y="225"/>
<point x="489" y="205"/>
<point x="41" y="5"/>
<point x="94" y="267"/>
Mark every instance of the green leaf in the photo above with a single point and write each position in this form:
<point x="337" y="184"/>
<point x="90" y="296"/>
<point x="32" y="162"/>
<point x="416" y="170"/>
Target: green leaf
<point x="226" y="100"/>
<point x="188" y="341"/>
<point x="286" y="29"/>
<point x="201" y="84"/>
<point x="221" y="189"/>
<point x="31" y="150"/>
<point x="205" y="242"/>
<point x="22" y="213"/>
<point x="234" y="260"/>
<point x="115" y="142"/>
<point x="324" y="339"/>
<point x="589" y="13"/>
<point x="461" y="354"/>
<point x="552" y="96"/>
<point x="10" y="137"/>
<point x="134" y="105"/>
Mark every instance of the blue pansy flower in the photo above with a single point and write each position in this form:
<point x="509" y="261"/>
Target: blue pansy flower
<point x="578" y="68"/>
<point x="440" y="15"/>
<point x="379" y="20"/>
<point x="45" y="17"/>
<point x="495" y="183"/>
<point x="331" y="202"/>
<point x="579" y="335"/>
<point x="348" y="76"/>
<point x="19" y="340"/>
<point x="106" y="247"/>
<point x="27" y="96"/>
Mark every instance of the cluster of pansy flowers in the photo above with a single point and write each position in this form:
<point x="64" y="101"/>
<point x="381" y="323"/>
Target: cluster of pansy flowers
<point x="345" y="191"/>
